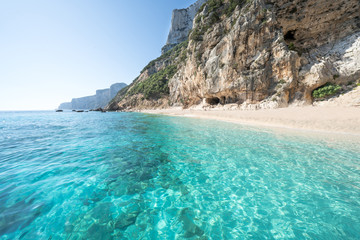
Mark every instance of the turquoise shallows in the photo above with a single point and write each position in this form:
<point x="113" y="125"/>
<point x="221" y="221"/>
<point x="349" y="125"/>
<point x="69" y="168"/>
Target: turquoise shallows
<point x="138" y="176"/>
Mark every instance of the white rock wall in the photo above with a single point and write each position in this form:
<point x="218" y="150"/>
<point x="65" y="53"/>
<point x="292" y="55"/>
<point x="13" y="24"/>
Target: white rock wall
<point x="181" y="24"/>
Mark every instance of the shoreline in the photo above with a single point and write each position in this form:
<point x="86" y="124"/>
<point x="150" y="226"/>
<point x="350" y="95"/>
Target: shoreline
<point x="310" y="119"/>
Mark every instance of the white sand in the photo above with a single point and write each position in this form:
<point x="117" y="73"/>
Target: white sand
<point x="345" y="120"/>
<point x="337" y="116"/>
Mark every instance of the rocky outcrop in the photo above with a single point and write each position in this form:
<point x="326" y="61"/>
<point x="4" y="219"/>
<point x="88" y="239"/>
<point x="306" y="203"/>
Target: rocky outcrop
<point x="256" y="54"/>
<point x="270" y="52"/>
<point x="66" y="105"/>
<point x="100" y="100"/>
<point x="83" y="102"/>
<point x="104" y="96"/>
<point x="151" y="89"/>
<point x="181" y="24"/>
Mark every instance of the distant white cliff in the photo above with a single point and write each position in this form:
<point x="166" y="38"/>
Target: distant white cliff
<point x="181" y="24"/>
<point x="100" y="100"/>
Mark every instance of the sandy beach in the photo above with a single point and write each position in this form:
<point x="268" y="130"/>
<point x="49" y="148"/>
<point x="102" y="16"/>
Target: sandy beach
<point x="335" y="119"/>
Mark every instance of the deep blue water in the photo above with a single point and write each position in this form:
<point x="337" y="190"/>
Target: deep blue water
<point x="138" y="176"/>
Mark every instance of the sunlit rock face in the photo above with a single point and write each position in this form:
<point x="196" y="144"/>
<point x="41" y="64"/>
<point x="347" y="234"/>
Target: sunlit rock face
<point x="65" y="105"/>
<point x="181" y="24"/>
<point x="103" y="96"/>
<point x="99" y="100"/>
<point x="258" y="54"/>
<point x="271" y="53"/>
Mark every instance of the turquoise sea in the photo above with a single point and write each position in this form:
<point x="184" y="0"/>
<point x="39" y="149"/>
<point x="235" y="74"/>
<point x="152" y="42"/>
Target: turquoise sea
<point x="139" y="176"/>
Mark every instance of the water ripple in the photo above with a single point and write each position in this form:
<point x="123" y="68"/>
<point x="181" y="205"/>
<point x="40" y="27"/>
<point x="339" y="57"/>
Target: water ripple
<point x="138" y="176"/>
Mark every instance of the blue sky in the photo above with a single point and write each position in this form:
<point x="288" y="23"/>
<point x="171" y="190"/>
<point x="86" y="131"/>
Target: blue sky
<point x="52" y="51"/>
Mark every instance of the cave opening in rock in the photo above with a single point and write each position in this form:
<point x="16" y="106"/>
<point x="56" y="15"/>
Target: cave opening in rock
<point x="230" y="100"/>
<point x="222" y="100"/>
<point x="294" y="10"/>
<point x="213" y="101"/>
<point x="290" y="35"/>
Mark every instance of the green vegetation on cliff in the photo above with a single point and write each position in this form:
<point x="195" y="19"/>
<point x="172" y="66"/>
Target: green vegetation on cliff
<point x="156" y="85"/>
<point x="154" y="79"/>
<point x="172" y="54"/>
<point x="214" y="12"/>
<point x="326" y="91"/>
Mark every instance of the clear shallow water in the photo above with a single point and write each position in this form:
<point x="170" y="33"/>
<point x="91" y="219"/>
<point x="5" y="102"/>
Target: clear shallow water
<point x="137" y="176"/>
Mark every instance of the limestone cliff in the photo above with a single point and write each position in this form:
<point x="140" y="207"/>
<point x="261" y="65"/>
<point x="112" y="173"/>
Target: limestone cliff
<point x="100" y="99"/>
<point x="181" y="24"/>
<point x="151" y="88"/>
<point x="65" y="105"/>
<point x="259" y="54"/>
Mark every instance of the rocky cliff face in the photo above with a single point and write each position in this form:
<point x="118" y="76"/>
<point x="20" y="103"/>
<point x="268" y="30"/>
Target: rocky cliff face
<point x="181" y="24"/>
<point x="65" y="105"/>
<point x="262" y="54"/>
<point x="104" y="96"/>
<point x="272" y="51"/>
<point x="101" y="99"/>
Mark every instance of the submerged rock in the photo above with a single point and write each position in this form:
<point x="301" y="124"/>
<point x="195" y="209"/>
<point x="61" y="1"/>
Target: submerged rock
<point x="128" y="217"/>
<point x="98" y="110"/>
<point x="190" y="229"/>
